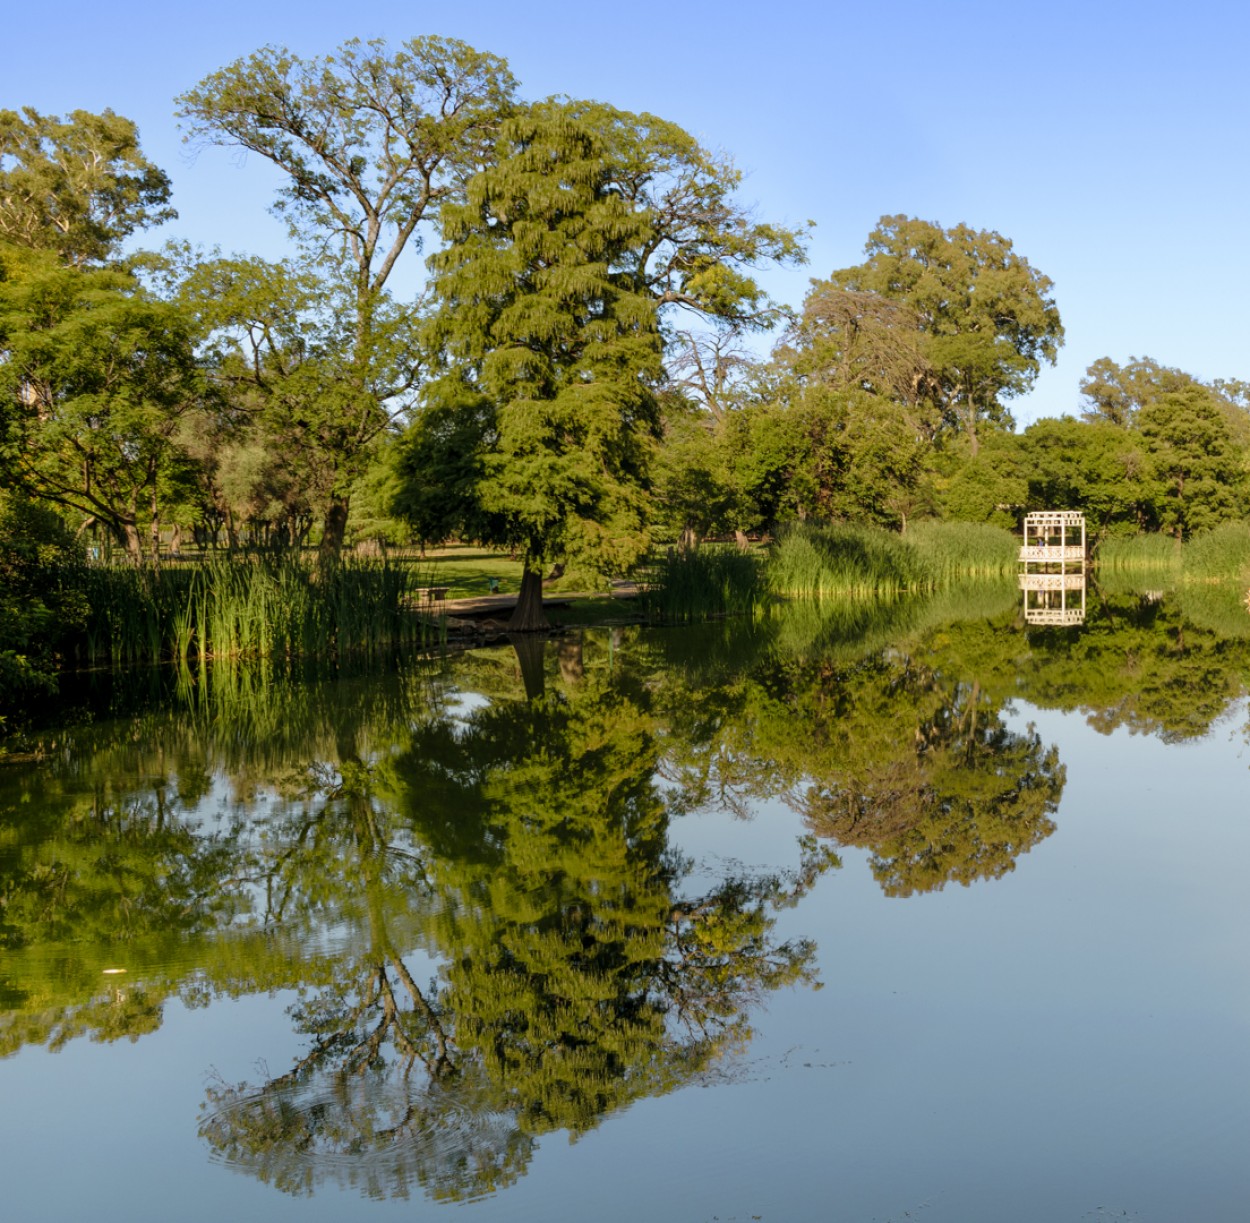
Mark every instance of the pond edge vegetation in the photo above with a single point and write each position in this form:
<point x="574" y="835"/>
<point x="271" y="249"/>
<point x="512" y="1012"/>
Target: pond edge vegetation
<point x="286" y="607"/>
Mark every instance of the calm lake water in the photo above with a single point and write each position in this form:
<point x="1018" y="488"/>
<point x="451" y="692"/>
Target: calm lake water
<point x="925" y="913"/>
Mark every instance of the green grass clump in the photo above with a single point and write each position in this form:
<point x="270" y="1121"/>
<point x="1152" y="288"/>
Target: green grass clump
<point x="958" y="551"/>
<point x="834" y="560"/>
<point x="683" y="587"/>
<point x="1221" y="554"/>
<point x="279" y="607"/>
<point x="1155" y="554"/>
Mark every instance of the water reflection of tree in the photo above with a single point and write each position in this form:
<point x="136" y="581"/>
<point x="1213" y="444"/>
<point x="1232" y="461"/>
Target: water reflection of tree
<point x="521" y="855"/>
<point x="890" y="751"/>
<point x="377" y="1100"/>
<point x="956" y="796"/>
<point x="908" y="751"/>
<point x="1141" y="666"/>
<point x="125" y="846"/>
<point x="526" y="850"/>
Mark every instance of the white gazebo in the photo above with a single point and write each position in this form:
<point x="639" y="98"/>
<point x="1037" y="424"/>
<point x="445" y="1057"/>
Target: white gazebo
<point x="1052" y="567"/>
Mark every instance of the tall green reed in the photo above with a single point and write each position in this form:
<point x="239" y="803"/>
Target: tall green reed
<point x="251" y="607"/>
<point x="836" y="560"/>
<point x="957" y="551"/>
<point x="1221" y="554"/>
<point x="824" y="561"/>
<point x="702" y="584"/>
<point x="829" y="560"/>
<point x="1155" y="554"/>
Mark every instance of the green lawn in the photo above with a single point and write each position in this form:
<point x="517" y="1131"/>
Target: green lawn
<point x="465" y="571"/>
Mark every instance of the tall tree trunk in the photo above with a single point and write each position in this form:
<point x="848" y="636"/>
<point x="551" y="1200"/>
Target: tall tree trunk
<point x="156" y="531"/>
<point x="334" y="528"/>
<point x="129" y="532"/>
<point x="970" y="427"/>
<point x="528" y="616"/>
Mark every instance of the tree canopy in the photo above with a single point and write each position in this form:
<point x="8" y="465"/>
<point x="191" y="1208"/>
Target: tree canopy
<point x="986" y="319"/>
<point x="371" y="142"/>
<point x="78" y="186"/>
<point x="538" y="432"/>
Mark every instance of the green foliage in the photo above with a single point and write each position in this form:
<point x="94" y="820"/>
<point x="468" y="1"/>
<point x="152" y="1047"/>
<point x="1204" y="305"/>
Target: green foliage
<point x="986" y="317"/>
<point x="97" y="377"/>
<point x="1200" y="474"/>
<point x="1116" y="394"/>
<point x="693" y="482"/>
<point x="367" y="138"/>
<point x="701" y="584"/>
<point x="42" y="599"/>
<point x="76" y="186"/>
<point x="861" y="339"/>
<point x="1095" y="467"/>
<point x="854" y="457"/>
<point x="550" y="352"/>
<point x="370" y="142"/>
<point x="990" y="486"/>
<point x="538" y="434"/>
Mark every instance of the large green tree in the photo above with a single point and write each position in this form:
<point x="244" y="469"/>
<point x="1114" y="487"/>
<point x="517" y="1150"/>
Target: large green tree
<point x="370" y="142"/>
<point x="284" y="437"/>
<point x="537" y="434"/>
<point x="1094" y="466"/>
<point x="1115" y="393"/>
<point x="77" y="186"/>
<point x="986" y="318"/>
<point x="1200" y="473"/>
<point x="97" y="378"/>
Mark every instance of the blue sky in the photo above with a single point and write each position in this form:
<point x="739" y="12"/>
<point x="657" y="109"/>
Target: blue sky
<point x="1109" y="141"/>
